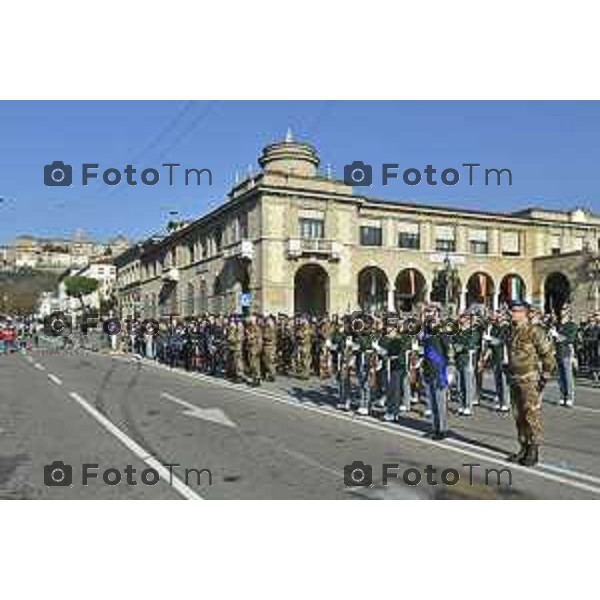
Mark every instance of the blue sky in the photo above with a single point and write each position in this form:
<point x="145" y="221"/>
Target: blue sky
<point x="552" y="149"/>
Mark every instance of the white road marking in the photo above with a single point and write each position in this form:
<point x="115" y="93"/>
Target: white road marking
<point x="215" y="415"/>
<point x="39" y="367"/>
<point x="399" y="430"/>
<point x="145" y="456"/>
<point x="586" y="409"/>
<point x="544" y="466"/>
<point x="54" y="378"/>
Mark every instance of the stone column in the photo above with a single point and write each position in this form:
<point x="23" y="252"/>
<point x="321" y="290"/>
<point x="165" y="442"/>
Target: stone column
<point x="391" y="305"/>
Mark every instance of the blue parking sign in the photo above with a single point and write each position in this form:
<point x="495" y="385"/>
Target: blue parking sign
<point x="245" y="299"/>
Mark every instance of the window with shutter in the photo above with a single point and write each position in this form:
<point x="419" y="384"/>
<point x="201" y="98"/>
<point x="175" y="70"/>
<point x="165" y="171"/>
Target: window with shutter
<point x="510" y="243"/>
<point x="478" y="241"/>
<point x="408" y="235"/>
<point x="445" y="238"/>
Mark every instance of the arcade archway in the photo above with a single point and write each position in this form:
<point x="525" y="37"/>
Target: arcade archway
<point x="372" y="290"/>
<point x="410" y="289"/>
<point x="480" y="290"/>
<point x="512" y="288"/>
<point x="557" y="292"/>
<point x="311" y="290"/>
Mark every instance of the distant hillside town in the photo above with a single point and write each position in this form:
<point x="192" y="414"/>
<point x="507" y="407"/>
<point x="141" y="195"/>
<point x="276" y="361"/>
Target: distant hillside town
<point x="58" y="254"/>
<point x="23" y="261"/>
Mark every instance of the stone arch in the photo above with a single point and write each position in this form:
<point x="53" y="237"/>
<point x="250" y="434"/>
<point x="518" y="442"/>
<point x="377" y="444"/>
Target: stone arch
<point x="410" y="289"/>
<point x="512" y="287"/>
<point x="372" y="290"/>
<point x="557" y="292"/>
<point x="311" y="290"/>
<point x="480" y="290"/>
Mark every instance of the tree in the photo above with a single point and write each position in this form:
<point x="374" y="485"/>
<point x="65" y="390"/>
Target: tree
<point x="78" y="287"/>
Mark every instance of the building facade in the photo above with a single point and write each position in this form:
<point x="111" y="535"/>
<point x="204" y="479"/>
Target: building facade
<point x="291" y="240"/>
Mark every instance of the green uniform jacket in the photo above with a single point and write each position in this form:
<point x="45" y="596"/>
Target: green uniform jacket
<point x="500" y="335"/>
<point x="464" y="342"/>
<point x="397" y="346"/>
<point x="569" y="332"/>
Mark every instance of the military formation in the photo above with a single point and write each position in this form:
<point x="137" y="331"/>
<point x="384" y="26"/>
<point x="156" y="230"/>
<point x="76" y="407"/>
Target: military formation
<point x="385" y="365"/>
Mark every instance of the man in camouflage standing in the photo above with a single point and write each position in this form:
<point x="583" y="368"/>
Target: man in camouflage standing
<point x="528" y="347"/>
<point x="234" y="350"/>
<point x="269" y="344"/>
<point x="324" y="353"/>
<point x="303" y="349"/>
<point x="253" y="348"/>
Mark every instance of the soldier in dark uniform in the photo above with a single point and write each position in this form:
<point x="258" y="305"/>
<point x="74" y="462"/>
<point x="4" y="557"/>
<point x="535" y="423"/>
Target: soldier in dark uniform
<point x="435" y="373"/>
<point x="465" y="344"/>
<point x="342" y="349"/>
<point x="496" y="356"/>
<point x="593" y="343"/>
<point x="565" y="336"/>
<point x="528" y="347"/>
<point x="397" y="345"/>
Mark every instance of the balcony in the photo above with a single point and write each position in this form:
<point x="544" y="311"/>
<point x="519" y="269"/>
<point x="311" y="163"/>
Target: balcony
<point x="242" y="249"/>
<point x="297" y="247"/>
<point x="170" y="274"/>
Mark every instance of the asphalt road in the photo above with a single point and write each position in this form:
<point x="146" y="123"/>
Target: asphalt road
<point x="282" y="441"/>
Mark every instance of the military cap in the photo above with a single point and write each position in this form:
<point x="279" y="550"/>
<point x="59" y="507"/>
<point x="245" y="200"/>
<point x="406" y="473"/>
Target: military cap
<point x="519" y="305"/>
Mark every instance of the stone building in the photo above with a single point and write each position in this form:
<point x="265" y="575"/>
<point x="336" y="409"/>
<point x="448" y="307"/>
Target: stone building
<point x="289" y="239"/>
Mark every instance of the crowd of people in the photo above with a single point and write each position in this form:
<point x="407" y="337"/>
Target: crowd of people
<point x="381" y="364"/>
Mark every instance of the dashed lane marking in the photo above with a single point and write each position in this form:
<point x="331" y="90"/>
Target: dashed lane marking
<point x="54" y="379"/>
<point x="140" y="452"/>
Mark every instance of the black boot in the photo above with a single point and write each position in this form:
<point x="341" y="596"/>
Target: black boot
<point x="531" y="456"/>
<point x="517" y="457"/>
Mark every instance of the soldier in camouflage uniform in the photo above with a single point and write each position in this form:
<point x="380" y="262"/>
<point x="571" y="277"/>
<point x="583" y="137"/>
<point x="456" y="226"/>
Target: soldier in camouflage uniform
<point x="342" y="350"/>
<point x="234" y="340"/>
<point x="253" y="349"/>
<point x="303" y="348"/>
<point x="285" y="345"/>
<point x="324" y="353"/>
<point x="528" y="346"/>
<point x="269" y="341"/>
